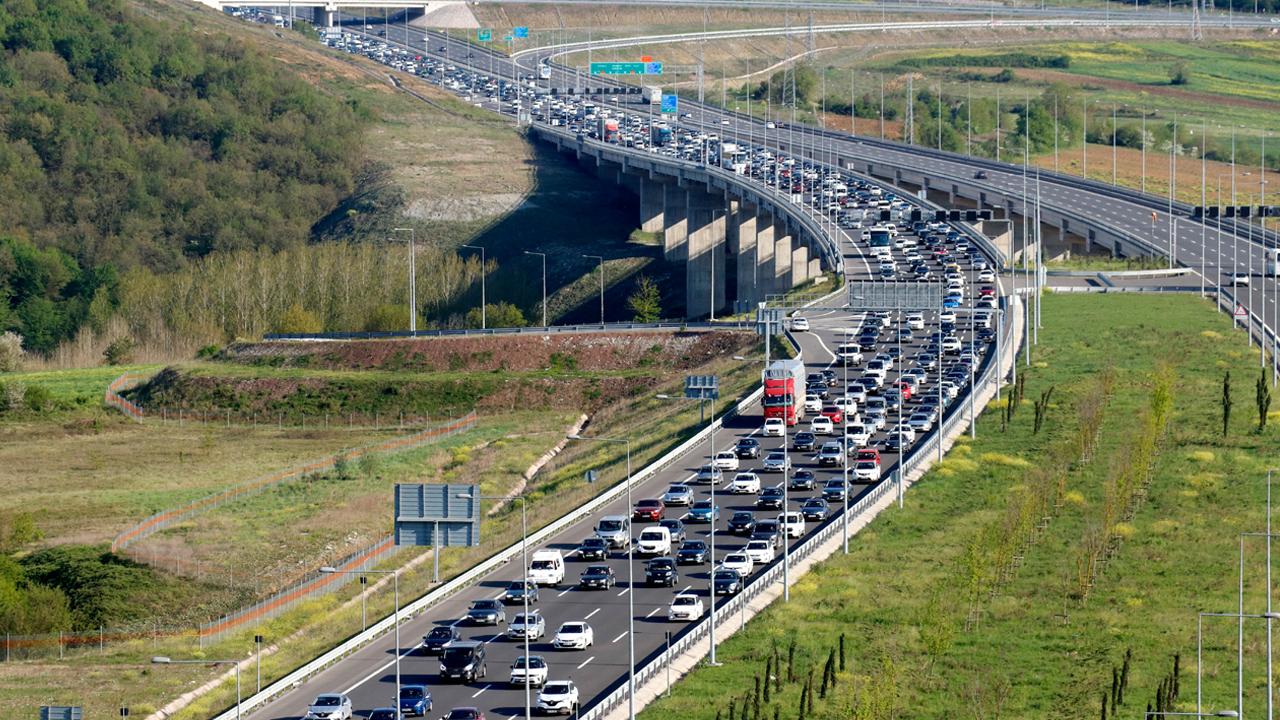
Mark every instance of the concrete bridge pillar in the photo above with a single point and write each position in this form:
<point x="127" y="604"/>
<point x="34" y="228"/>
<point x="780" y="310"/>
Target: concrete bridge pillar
<point x="652" y="204"/>
<point x="799" y="265"/>
<point x="781" y="260"/>
<point x="675" y="225"/>
<point x="705" y="267"/>
<point x="765" y="242"/>
<point x="746" y="254"/>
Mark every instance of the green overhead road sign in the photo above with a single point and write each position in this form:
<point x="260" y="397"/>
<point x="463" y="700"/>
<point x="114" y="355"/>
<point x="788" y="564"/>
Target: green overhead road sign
<point x="484" y="35"/>
<point x="626" y="68"/>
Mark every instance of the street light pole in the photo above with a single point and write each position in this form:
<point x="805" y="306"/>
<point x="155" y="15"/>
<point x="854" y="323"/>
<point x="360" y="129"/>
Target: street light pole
<point x="413" y="279"/>
<point x="544" y="284"/>
<point x="484" y="310"/>
<point x="601" y="259"/>
<point x="163" y="660"/>
<point x="631" y="582"/>
<point x="395" y="583"/>
<point x="524" y="577"/>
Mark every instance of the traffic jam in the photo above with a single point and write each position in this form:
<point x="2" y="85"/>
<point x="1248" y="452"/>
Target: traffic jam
<point x="831" y="425"/>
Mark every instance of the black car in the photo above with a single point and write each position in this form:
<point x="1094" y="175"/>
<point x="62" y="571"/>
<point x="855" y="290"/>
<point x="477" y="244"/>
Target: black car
<point x="743" y="522"/>
<point x="486" y="612"/>
<point x="819" y="389"/>
<point x="802" y="480"/>
<point x="661" y="571"/>
<point x="464" y="661"/>
<point x="747" y="448"/>
<point x="834" y="490"/>
<point x="593" y="548"/>
<point x="597" y="577"/>
<point x="814" y="509"/>
<point x="766" y="530"/>
<point x="433" y="642"/>
<point x="986" y="334"/>
<point x="804" y="441"/>
<point x="770" y="499"/>
<point x="830" y="377"/>
<point x="892" y="443"/>
<point x="815" y="378"/>
<point x="868" y="342"/>
<point x="726" y="582"/>
<point x="518" y="590"/>
<point x="676" y="528"/>
<point x="692" y="552"/>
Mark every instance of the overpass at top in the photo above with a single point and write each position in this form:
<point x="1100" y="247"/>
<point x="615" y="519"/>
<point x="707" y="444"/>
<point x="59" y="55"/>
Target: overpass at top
<point x="436" y="13"/>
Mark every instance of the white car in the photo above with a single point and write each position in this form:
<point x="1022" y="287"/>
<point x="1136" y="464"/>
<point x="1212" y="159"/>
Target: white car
<point x="920" y="422"/>
<point x="822" y="425"/>
<point x="812" y="403"/>
<point x="791" y="523"/>
<point x="987" y="275"/>
<point x="868" y="470"/>
<point x="531" y="626"/>
<point x="847" y="404"/>
<point x="329" y="706"/>
<point x="775" y="427"/>
<point x="574" y="635"/>
<point x="915" y="321"/>
<point x="1238" y="278"/>
<point x="857" y="434"/>
<point x="877" y="369"/>
<point x="908" y="433"/>
<point x="726" y="460"/>
<point x="535" y="670"/>
<point x="745" y="483"/>
<point x="947" y="316"/>
<point x="685" y="606"/>
<point x="760" y="551"/>
<point x="799" y="324"/>
<point x="738" y="562"/>
<point x="558" y="697"/>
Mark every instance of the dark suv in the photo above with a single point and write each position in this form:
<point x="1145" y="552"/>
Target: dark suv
<point x="661" y="571"/>
<point x="463" y="661"/>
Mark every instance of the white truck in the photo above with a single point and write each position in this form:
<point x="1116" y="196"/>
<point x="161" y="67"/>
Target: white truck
<point x="547" y="568"/>
<point x="652" y="94"/>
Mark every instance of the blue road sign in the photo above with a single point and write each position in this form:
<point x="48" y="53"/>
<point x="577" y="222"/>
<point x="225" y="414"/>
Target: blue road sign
<point x="484" y="35"/>
<point x="521" y="32"/>
<point x="670" y="103"/>
<point x="653" y="68"/>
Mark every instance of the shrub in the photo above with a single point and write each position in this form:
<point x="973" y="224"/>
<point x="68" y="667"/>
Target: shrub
<point x="37" y="398"/>
<point x="11" y="352"/>
<point x="119" y="351"/>
<point x="299" y="320"/>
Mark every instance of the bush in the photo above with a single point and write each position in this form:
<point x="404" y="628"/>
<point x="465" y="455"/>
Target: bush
<point x="11" y="352"/>
<point x="299" y="320"/>
<point x="208" y="352"/>
<point x="388" y="318"/>
<point x="502" y="315"/>
<point x="37" y="398"/>
<point x="646" y="301"/>
<point x="1180" y="74"/>
<point x="120" y="351"/>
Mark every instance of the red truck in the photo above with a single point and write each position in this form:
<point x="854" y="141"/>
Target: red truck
<point x="784" y="390"/>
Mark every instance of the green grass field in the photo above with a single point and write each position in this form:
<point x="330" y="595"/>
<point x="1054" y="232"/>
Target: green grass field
<point x="1035" y="649"/>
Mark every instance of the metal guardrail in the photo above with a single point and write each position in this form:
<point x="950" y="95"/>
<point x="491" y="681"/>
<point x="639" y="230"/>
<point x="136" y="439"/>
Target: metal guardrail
<point x="553" y="329"/>
<point x="166" y="518"/>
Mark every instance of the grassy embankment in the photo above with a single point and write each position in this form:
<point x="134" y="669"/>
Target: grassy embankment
<point x="1033" y="641"/>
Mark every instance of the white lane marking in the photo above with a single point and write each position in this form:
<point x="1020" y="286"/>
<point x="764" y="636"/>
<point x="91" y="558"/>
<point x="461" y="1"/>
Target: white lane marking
<point x="624" y="592"/>
<point x="620" y="636"/>
<point x="477" y="693"/>
<point x="687" y="589"/>
<point x="653" y="612"/>
<point x="563" y="592"/>
<point x="584" y="662"/>
<point x="593" y="612"/>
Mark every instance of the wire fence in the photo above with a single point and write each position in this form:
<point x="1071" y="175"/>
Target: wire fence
<point x="167" y="518"/>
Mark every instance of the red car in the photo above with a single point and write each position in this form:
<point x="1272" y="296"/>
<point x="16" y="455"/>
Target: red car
<point x="833" y="413"/>
<point x="905" y="389"/>
<point x="652" y="509"/>
<point x="987" y="291"/>
<point x="868" y="454"/>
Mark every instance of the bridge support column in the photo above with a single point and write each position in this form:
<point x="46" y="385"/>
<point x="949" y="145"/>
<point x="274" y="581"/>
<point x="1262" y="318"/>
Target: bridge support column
<point x="652" y="203"/>
<point x="781" y="261"/>
<point x="799" y="265"/>
<point x="764" y="254"/>
<point x="705" y="267"/>
<point x="746" y="253"/>
<point x="675" y="225"/>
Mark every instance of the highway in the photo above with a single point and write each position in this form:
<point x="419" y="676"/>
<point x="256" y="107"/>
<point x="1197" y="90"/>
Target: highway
<point x="368" y="674"/>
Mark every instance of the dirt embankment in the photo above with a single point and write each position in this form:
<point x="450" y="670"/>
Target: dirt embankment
<point x="587" y="352"/>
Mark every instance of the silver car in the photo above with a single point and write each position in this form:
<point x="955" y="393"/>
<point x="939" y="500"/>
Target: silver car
<point x="776" y="462"/>
<point x="329" y="706"/>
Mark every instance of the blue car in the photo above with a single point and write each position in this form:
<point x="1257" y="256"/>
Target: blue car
<point x="951" y="302"/>
<point x="703" y="512"/>
<point x="415" y="700"/>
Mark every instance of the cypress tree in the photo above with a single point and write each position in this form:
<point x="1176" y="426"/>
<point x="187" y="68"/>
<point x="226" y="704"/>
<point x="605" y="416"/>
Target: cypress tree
<point x="777" y="712"/>
<point x="841" y="652"/>
<point x="731" y="708"/>
<point x="755" y="700"/>
<point x="1177" y="662"/>
<point x="1124" y="673"/>
<point x="791" y="661"/>
<point x="831" y="662"/>
<point x="1115" y="689"/>
<point x="768" y="673"/>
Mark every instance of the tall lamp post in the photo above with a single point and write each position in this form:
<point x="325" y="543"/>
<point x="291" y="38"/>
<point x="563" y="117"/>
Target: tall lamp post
<point x="524" y="575"/>
<point x="395" y="583"/>
<point x="484" y="320"/>
<point x="163" y="660"/>
<point x="544" y="284"/>
<point x="631" y="581"/>
<point x="601" y="259"/>
<point x="413" y="279"/>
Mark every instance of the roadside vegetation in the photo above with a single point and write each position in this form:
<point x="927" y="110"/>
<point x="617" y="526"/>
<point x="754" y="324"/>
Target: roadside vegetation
<point x="1062" y="554"/>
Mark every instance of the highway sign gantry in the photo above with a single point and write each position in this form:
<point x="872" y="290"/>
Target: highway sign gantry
<point x="626" y="68"/>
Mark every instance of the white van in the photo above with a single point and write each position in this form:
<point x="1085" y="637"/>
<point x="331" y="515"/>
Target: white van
<point x="547" y="568"/>
<point x="654" y="541"/>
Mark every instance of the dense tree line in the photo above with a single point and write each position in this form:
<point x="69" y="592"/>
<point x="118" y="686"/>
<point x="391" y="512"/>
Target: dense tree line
<point x="127" y="142"/>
